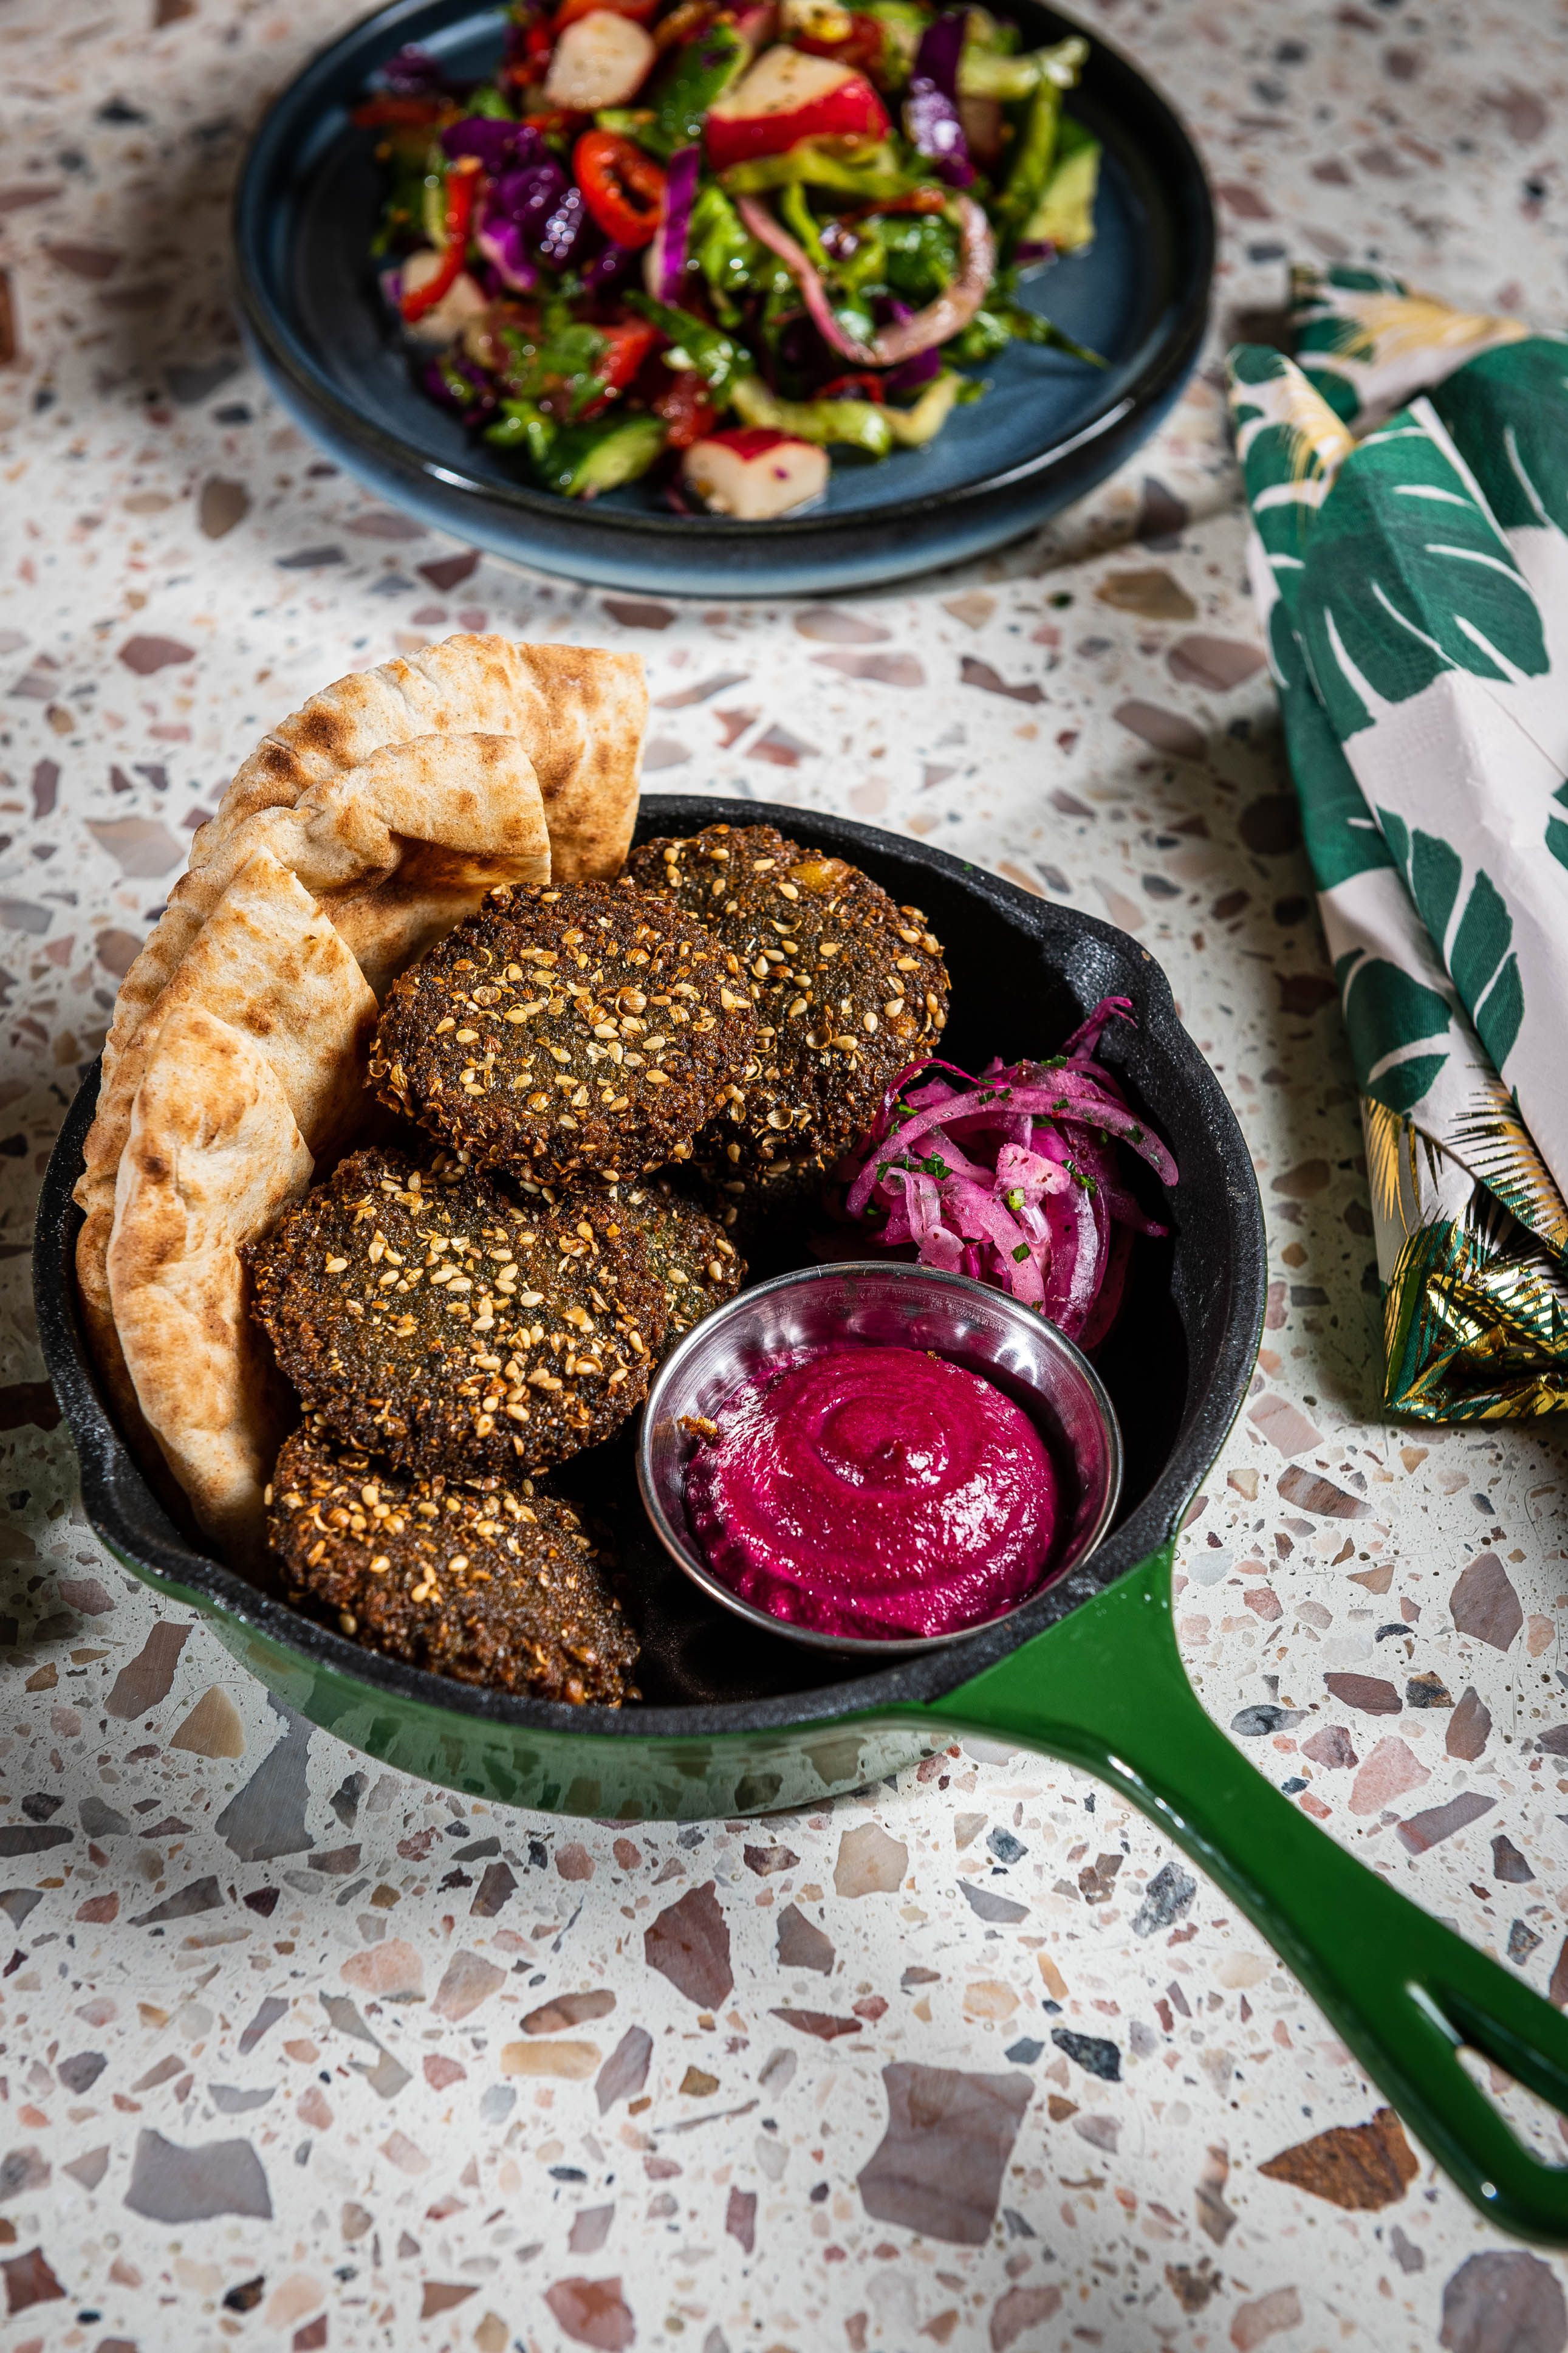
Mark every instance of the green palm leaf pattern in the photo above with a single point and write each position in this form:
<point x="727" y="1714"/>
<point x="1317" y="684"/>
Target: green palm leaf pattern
<point x="1478" y="948"/>
<point x="1341" y="834"/>
<point x="1406" y="581"/>
<point x="1398" y="1029"/>
<point x="1291" y="445"/>
<point x="1406" y="576"/>
<point x="1556" y="830"/>
<point x="1506" y="411"/>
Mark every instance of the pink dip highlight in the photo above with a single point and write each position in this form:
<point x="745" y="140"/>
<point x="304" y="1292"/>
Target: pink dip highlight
<point x="870" y="1491"/>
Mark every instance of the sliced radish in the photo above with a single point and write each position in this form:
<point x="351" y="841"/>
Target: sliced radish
<point x="788" y="96"/>
<point x="753" y="473"/>
<point x="601" y="59"/>
<point x="463" y="300"/>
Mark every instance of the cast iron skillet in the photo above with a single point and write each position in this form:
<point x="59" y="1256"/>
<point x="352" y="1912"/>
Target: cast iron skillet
<point x="1090" y="1672"/>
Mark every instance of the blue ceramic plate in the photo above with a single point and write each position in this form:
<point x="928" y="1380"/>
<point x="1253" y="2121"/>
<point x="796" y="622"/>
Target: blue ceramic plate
<point x="1048" y="430"/>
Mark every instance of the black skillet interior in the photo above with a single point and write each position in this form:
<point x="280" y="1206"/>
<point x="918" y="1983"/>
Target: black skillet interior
<point x="1024" y="974"/>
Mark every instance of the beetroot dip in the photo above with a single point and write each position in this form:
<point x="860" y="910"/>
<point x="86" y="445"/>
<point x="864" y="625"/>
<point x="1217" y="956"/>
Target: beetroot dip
<point x="874" y="1490"/>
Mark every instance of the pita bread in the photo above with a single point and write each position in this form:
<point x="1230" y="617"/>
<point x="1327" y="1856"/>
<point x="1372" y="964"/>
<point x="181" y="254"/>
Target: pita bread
<point x="358" y="832"/>
<point x="397" y="850"/>
<point x="579" y="710"/>
<point x="213" y="1154"/>
<point x="268" y="962"/>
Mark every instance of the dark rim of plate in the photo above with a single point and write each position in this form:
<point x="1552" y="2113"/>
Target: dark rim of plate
<point x="1119" y="88"/>
<point x="1221" y="1226"/>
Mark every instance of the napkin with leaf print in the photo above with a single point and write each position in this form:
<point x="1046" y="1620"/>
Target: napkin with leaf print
<point x="1408" y="477"/>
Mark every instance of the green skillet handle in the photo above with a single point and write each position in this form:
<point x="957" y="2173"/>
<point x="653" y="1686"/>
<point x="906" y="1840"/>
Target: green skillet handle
<point x="1106" y="1689"/>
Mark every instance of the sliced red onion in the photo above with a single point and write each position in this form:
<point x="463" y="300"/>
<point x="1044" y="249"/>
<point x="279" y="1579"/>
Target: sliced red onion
<point x="1085" y="1038"/>
<point x="1113" y="1289"/>
<point x="1030" y="1173"/>
<point x="1041" y="249"/>
<point x="932" y="123"/>
<point x="1032" y="1199"/>
<point x="956" y="305"/>
<point x="922" y="330"/>
<point x="675" y="222"/>
<point x="1073" y="1262"/>
<point x="767" y="231"/>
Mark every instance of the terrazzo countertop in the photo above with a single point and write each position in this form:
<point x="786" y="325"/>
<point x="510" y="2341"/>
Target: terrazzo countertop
<point x="298" y="2052"/>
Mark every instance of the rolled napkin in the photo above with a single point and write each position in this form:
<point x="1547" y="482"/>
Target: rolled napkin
<point x="1408" y="477"/>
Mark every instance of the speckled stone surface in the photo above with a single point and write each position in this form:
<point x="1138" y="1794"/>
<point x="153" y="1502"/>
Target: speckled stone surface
<point x="296" y="2052"/>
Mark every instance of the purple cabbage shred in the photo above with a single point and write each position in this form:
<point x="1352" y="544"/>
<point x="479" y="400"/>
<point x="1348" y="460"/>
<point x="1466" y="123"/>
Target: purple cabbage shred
<point x="499" y="146"/>
<point x="932" y="122"/>
<point x="571" y="232"/>
<point x="608" y="267"/>
<point x="915" y="373"/>
<point x="447" y="378"/>
<point x="412" y="73"/>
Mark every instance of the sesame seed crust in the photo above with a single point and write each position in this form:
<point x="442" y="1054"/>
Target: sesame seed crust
<point x="431" y="1318"/>
<point x="486" y="1582"/>
<point x="848" y="988"/>
<point x="687" y="1251"/>
<point x="586" y="1031"/>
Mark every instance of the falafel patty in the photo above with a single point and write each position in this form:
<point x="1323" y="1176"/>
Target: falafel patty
<point x="427" y="1317"/>
<point x="486" y="1583"/>
<point x="587" y="1031"/>
<point x="687" y="1251"/>
<point x="847" y="987"/>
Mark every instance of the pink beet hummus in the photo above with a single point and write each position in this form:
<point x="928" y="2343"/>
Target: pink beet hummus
<point x="871" y="1490"/>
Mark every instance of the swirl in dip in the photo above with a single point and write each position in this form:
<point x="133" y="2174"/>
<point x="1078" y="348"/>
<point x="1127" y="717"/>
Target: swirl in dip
<point x="870" y="1491"/>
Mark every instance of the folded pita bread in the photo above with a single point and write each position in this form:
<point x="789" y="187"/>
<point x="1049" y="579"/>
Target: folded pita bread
<point x="579" y="710"/>
<point x="397" y="850"/>
<point x="357" y="833"/>
<point x="213" y="1155"/>
<point x="269" y="963"/>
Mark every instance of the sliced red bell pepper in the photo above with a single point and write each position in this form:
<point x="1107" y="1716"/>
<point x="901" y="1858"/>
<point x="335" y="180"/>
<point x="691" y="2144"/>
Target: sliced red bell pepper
<point x="622" y="186"/>
<point x="854" y="387"/>
<point x="686" y="407"/>
<point x="626" y="345"/>
<point x="462" y="190"/>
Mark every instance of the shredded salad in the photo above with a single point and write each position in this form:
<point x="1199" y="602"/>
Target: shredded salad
<point x="1015" y="1178"/>
<point x="710" y="244"/>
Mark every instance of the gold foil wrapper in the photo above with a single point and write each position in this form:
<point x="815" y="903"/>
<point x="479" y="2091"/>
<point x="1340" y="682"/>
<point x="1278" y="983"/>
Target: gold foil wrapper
<point x="1475" y="1305"/>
